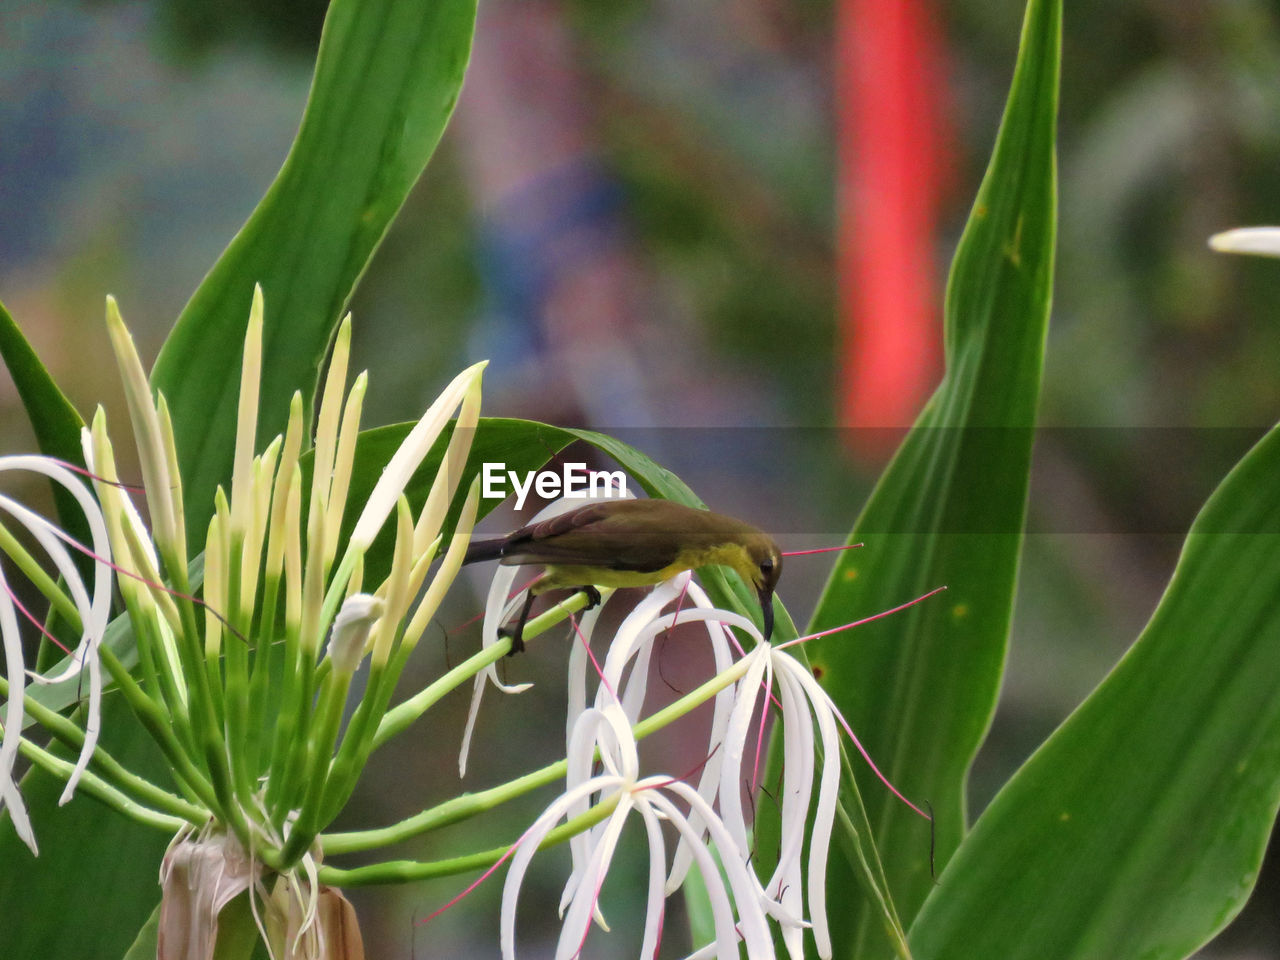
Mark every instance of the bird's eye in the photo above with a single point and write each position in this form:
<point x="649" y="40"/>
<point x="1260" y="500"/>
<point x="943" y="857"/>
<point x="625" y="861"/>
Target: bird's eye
<point x="766" y="564"/>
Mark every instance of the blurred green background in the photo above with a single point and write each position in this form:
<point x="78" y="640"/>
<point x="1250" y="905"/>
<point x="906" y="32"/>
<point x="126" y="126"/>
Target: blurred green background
<point x="633" y="213"/>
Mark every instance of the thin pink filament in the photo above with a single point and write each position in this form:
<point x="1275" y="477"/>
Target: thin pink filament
<point x="76" y="545"/>
<point x="805" y="553"/>
<point x="857" y="623"/>
<point x="36" y="623"/>
<point x="586" y="645"/>
<point x="74" y="468"/>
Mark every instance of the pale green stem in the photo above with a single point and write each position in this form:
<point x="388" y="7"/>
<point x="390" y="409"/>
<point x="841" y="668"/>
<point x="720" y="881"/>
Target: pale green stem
<point x="286" y="718"/>
<point x="292" y="784"/>
<point x="407" y="871"/>
<point x="468" y="805"/>
<point x="236" y="677"/>
<point x="260" y="678"/>
<point x="291" y="554"/>
<point x="403" y="715"/>
<point x="110" y="769"/>
<point x="146" y="631"/>
<point x="204" y="723"/>
<point x="97" y="788"/>
<point x="158" y="725"/>
<point x="324" y="733"/>
<point x="34" y="572"/>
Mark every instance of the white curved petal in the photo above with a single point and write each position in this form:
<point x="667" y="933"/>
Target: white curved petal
<point x="498" y="609"/>
<point x="786" y="885"/>
<point x="709" y="778"/>
<point x="828" y="794"/>
<point x="527" y="845"/>
<point x="797" y="777"/>
<point x="735" y="740"/>
<point x="580" y="758"/>
<point x="577" y="921"/>
<point x="751" y="927"/>
<point x="13" y="717"/>
<point x="473" y="711"/>
<point x="630" y="635"/>
<point x="578" y="660"/>
<point x="655" y="904"/>
<point x="1257" y="240"/>
<point x="94" y="613"/>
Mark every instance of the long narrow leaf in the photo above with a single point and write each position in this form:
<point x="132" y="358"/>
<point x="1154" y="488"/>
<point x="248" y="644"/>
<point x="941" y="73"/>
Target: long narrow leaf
<point x="1138" y="829"/>
<point x="54" y="420"/>
<point x="386" y="80"/>
<point x="920" y="687"/>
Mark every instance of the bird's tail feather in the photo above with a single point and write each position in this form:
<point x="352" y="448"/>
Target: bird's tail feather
<point x="481" y="550"/>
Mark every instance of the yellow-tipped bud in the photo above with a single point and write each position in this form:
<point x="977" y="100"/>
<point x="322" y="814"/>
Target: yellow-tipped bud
<point x="247" y="420"/>
<point x="344" y="462"/>
<point x="147" y="435"/>
<point x="411" y="454"/>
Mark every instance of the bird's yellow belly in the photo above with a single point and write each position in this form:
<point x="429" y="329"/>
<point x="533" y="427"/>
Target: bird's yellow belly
<point x="558" y="577"/>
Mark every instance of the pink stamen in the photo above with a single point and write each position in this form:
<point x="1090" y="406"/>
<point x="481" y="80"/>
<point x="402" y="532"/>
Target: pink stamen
<point x="872" y="764"/>
<point x="75" y="468"/>
<point x="36" y="623"/>
<point x="586" y="645"/>
<point x="839" y="716"/>
<point x="684" y="591"/>
<point x="764" y="716"/>
<point x="663" y="784"/>
<point x="805" y="553"/>
<point x="857" y="623"/>
<point x="479" y="880"/>
<point x="121" y="571"/>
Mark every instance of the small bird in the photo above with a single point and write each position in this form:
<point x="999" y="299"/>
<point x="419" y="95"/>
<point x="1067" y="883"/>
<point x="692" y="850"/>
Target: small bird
<point x="633" y="543"/>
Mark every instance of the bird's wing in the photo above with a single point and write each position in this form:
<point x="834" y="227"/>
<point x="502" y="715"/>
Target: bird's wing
<point x="597" y="535"/>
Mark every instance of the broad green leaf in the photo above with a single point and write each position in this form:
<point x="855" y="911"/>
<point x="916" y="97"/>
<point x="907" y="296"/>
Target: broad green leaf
<point x="1138" y="828"/>
<point x="920" y="687"/>
<point x="386" y="80"/>
<point x="144" y="945"/>
<point x="54" y="420"/>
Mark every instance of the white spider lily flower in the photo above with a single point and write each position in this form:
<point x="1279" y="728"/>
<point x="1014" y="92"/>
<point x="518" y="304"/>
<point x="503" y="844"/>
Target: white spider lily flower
<point x="632" y="645"/>
<point x="735" y="895"/>
<point x="803" y="705"/>
<point x="93" y="607"/>
<point x="1262" y="241"/>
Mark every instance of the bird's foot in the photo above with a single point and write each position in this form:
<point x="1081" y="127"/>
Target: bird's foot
<point x="517" y="641"/>
<point x="593" y="597"/>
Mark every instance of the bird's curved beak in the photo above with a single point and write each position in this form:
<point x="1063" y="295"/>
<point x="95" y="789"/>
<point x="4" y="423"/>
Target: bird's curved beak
<point x="766" y="608"/>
